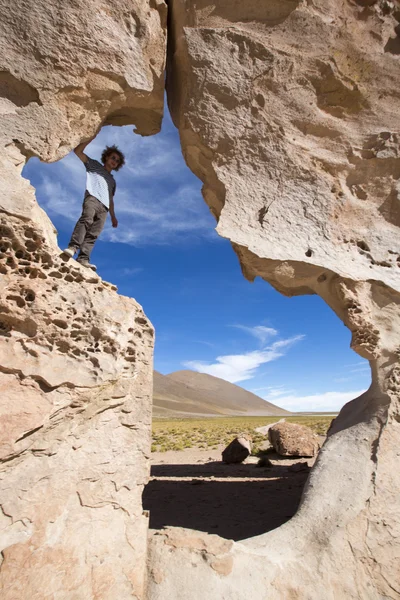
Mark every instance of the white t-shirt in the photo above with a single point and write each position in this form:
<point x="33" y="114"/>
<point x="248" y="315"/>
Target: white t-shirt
<point x="99" y="182"/>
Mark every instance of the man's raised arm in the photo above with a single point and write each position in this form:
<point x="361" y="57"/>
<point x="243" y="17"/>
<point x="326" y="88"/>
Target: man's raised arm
<point x="79" y="150"/>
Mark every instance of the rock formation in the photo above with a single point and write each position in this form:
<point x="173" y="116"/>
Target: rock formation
<point x="75" y="358"/>
<point x="66" y="70"/>
<point x="288" y="112"/>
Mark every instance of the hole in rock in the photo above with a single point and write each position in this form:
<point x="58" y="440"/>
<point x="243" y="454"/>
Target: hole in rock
<point x="30" y="296"/>
<point x="363" y="246"/>
<point x="209" y="322"/>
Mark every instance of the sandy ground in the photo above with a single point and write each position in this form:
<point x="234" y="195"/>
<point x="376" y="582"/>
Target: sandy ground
<point x="194" y="489"/>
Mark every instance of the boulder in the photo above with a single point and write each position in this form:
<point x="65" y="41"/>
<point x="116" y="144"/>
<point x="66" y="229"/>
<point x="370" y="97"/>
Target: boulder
<point x="291" y="439"/>
<point x="237" y="451"/>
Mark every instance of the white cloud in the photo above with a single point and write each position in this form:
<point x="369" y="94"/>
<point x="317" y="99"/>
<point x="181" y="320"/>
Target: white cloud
<point x="209" y="344"/>
<point x="259" y="331"/>
<point x="239" y="367"/>
<point x="131" y="271"/>
<point x="273" y="392"/>
<point x="358" y="369"/>
<point x="362" y="369"/>
<point x="158" y="200"/>
<point x="58" y="200"/>
<point x="75" y="171"/>
<point x="326" y="401"/>
<point x="145" y="157"/>
<point x="359" y="363"/>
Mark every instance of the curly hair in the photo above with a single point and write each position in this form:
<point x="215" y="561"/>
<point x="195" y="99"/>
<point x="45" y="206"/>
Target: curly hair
<point x="109" y="150"/>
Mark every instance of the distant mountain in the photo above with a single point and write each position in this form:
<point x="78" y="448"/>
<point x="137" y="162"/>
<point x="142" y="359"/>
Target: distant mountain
<point x="188" y="393"/>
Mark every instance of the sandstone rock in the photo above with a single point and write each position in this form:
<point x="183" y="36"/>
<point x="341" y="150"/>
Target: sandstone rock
<point x="291" y="439"/>
<point x="75" y="358"/>
<point x="75" y="414"/>
<point x="287" y="112"/>
<point x="237" y="451"/>
<point x="68" y="69"/>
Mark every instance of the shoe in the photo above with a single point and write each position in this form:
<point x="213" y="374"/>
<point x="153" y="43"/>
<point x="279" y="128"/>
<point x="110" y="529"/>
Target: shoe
<point x="70" y="251"/>
<point x="87" y="264"/>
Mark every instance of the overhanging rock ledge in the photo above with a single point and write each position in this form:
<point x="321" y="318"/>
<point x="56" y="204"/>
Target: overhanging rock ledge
<point x="288" y="112"/>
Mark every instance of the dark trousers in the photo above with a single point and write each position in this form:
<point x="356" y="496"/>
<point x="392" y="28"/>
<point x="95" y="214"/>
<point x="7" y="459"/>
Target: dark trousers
<point x="89" y="226"/>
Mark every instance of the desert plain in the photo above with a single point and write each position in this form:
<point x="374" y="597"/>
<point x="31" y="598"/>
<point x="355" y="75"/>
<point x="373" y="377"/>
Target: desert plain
<point x="190" y="486"/>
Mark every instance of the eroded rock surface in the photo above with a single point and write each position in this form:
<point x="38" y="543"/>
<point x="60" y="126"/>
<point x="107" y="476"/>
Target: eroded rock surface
<point x="75" y="420"/>
<point x="288" y="112"/>
<point x="75" y="358"/>
<point x="66" y="69"/>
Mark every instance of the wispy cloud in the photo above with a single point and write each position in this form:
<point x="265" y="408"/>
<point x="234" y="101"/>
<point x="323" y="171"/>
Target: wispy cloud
<point x="359" y="363"/>
<point x="59" y="201"/>
<point x="130" y="271"/>
<point x="239" y="367"/>
<point x="273" y="392"/>
<point x="209" y="344"/>
<point x="260" y="332"/>
<point x="326" y="401"/>
<point x="354" y="371"/>
<point x="148" y="216"/>
<point x="361" y="369"/>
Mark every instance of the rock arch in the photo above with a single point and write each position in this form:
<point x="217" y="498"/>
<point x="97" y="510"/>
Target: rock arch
<point x="288" y="127"/>
<point x="287" y="115"/>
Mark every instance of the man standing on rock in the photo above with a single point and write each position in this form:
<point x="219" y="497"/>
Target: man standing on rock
<point x="99" y="200"/>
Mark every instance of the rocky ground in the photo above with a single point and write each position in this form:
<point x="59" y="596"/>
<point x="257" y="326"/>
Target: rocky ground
<point x="195" y="489"/>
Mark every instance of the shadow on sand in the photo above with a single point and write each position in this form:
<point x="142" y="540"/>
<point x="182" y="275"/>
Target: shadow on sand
<point x="233" y="501"/>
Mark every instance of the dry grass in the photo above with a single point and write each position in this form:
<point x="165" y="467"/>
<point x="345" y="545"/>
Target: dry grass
<point x="179" y="434"/>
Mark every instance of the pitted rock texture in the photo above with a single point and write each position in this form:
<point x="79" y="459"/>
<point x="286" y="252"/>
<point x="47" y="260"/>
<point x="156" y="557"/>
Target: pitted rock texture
<point x="69" y="68"/>
<point x="75" y="419"/>
<point x="55" y="316"/>
<point x="75" y="358"/>
<point x="288" y="112"/>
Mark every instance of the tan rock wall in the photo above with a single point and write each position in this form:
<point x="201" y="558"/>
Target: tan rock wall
<point x="75" y="423"/>
<point x="69" y="67"/>
<point x="75" y="357"/>
<point x="288" y="112"/>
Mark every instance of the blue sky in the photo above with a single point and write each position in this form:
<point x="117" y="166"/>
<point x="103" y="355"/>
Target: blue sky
<point x="166" y="254"/>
